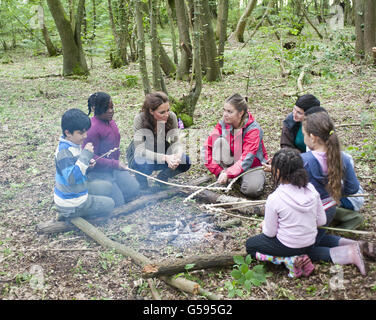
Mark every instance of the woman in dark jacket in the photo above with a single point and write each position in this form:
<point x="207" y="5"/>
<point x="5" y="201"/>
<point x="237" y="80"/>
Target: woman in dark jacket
<point x="292" y="136"/>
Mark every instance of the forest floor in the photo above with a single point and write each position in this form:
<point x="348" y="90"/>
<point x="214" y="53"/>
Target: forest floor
<point x="70" y="265"/>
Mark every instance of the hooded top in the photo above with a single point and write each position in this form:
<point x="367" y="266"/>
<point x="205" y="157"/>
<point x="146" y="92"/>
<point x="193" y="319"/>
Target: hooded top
<point x="246" y="144"/>
<point x="316" y="176"/>
<point x="292" y="214"/>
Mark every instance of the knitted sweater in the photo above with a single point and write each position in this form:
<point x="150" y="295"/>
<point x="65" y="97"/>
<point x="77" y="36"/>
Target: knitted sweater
<point x="70" y="179"/>
<point x="152" y="146"/>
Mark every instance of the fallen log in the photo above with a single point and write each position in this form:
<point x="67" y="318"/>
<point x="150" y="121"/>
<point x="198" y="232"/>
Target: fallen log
<point x="180" y="283"/>
<point x="198" y="262"/>
<point x="54" y="226"/>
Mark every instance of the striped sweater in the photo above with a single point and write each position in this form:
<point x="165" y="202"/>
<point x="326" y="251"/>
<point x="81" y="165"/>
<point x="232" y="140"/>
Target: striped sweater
<point x="70" y="180"/>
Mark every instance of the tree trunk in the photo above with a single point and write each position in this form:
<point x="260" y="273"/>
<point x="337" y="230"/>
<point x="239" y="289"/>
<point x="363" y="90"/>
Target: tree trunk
<point x="238" y="34"/>
<point x="49" y="45"/>
<point x="222" y="29"/>
<point x="369" y="28"/>
<point x="213" y="71"/>
<point x="167" y="65"/>
<point x="305" y="13"/>
<point x="172" y="28"/>
<point x="141" y="47"/>
<point x="74" y="62"/>
<point x="158" y="81"/>
<point x="190" y="101"/>
<point x="359" y="28"/>
<point x="94" y="19"/>
<point x="184" y="39"/>
<point x="175" y="266"/>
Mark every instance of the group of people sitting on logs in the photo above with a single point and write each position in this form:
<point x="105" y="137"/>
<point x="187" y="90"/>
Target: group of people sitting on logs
<point x="313" y="178"/>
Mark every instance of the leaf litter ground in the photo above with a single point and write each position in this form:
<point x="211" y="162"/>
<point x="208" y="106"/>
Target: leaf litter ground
<point x="72" y="266"/>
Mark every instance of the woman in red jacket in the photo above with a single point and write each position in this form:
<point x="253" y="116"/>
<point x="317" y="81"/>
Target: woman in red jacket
<point x="235" y="146"/>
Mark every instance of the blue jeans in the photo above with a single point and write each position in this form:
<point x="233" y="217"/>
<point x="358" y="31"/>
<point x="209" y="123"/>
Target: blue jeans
<point x="143" y="165"/>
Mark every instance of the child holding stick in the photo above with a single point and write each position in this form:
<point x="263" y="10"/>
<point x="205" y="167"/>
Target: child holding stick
<point x="71" y="194"/>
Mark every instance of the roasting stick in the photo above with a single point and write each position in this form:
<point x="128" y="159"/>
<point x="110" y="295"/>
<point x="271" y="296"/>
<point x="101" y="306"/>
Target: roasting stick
<point x="107" y="153"/>
<point x="198" y="191"/>
<point x="228" y="188"/>
<point x="161" y="181"/>
<point x="175" y="184"/>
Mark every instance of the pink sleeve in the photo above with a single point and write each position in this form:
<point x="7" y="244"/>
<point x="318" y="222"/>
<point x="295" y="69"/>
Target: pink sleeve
<point x="270" y="225"/>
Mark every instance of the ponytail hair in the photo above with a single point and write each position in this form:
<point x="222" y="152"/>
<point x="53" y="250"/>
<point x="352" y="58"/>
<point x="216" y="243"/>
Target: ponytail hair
<point x="287" y="166"/>
<point x="240" y="104"/>
<point x="321" y="125"/>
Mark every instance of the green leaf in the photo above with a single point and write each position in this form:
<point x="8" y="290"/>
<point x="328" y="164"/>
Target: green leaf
<point x="259" y="268"/>
<point x="248" y="259"/>
<point x="236" y="274"/>
<point x="248" y="285"/>
<point x="238" y="259"/>
<point x="244" y="268"/>
<point x="189" y="266"/>
<point x="249" y="275"/>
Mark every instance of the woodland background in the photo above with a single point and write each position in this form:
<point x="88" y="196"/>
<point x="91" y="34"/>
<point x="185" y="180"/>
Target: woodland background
<point x="54" y="54"/>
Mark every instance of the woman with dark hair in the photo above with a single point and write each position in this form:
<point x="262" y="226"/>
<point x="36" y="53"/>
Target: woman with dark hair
<point x="104" y="135"/>
<point x="236" y="145"/>
<point x="156" y="145"/>
<point x="292" y="136"/>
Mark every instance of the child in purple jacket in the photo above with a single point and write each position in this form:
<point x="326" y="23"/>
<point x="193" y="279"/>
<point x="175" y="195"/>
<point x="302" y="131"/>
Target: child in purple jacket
<point x="104" y="135"/>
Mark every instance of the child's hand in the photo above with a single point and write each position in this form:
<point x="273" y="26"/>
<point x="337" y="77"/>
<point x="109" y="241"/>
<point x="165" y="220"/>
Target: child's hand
<point x="122" y="166"/>
<point x="92" y="163"/>
<point x="89" y="146"/>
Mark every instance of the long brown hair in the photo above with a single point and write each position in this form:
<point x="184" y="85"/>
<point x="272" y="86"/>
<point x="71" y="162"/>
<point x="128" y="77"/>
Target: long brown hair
<point x="319" y="124"/>
<point x="152" y="102"/>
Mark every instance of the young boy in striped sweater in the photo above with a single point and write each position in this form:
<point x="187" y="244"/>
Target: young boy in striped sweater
<point x="71" y="195"/>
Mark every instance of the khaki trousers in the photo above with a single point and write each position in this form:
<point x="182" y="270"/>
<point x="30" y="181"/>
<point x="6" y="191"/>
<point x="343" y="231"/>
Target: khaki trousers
<point x="252" y="183"/>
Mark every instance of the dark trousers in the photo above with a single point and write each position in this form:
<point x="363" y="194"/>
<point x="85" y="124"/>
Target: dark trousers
<point x="319" y="251"/>
<point x="272" y="246"/>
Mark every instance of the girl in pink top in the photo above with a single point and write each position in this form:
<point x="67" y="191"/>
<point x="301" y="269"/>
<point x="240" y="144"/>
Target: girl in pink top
<point x="292" y="214"/>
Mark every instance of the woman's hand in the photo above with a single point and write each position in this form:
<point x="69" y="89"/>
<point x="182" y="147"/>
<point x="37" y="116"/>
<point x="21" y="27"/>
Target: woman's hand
<point x="268" y="165"/>
<point x="223" y="178"/>
<point x="173" y="161"/>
